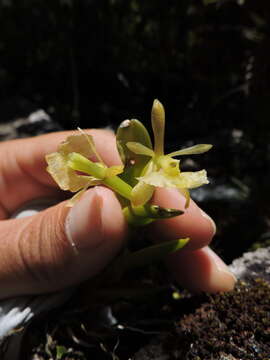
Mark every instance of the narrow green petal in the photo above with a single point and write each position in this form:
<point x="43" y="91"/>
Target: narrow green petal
<point x="140" y="149"/>
<point x="141" y="193"/>
<point x="158" y="125"/>
<point x="196" y="149"/>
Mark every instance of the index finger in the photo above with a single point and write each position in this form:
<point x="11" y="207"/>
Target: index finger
<point x="194" y="223"/>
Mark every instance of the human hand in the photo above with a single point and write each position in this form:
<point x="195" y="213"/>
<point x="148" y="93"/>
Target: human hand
<point x="37" y="253"/>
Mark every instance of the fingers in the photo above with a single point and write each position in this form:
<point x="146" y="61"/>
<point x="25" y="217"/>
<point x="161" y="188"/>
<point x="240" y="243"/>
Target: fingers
<point x="37" y="253"/>
<point x="201" y="270"/>
<point x="23" y="166"/>
<point x="194" y="223"/>
<point x="196" y="267"/>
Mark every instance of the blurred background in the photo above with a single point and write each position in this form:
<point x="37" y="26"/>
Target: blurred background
<point x="94" y="63"/>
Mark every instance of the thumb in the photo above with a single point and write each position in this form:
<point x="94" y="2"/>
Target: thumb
<point x="59" y="246"/>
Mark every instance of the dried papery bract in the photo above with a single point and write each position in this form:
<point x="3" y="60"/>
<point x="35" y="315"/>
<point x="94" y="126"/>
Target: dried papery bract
<point x="72" y="169"/>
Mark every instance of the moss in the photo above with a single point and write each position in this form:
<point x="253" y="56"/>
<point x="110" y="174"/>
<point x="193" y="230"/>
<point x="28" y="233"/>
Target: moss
<point x="233" y="325"/>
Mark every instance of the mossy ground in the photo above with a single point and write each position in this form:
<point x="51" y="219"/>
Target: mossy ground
<point x="230" y="326"/>
<point x="234" y="325"/>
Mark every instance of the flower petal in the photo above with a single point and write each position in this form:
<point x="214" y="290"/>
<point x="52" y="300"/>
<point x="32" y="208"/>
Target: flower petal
<point x="139" y="149"/>
<point x="64" y="176"/>
<point x="196" y="149"/>
<point x="141" y="193"/>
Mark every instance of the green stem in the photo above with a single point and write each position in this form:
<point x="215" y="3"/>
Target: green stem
<point x="119" y="186"/>
<point x="80" y="163"/>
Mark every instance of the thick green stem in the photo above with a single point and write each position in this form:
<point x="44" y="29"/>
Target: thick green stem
<point x="97" y="170"/>
<point x="119" y="186"/>
<point x="80" y="163"/>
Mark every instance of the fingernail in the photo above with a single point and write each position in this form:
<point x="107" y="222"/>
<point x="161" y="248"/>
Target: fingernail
<point x="224" y="278"/>
<point x="211" y="221"/>
<point x="83" y="224"/>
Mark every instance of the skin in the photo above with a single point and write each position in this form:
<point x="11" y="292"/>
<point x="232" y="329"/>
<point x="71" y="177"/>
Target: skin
<point x="37" y="252"/>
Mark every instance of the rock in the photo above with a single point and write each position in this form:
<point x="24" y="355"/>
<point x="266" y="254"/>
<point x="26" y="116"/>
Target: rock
<point x="36" y="123"/>
<point x="252" y="265"/>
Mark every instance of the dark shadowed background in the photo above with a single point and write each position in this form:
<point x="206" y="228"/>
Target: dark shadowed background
<point x="95" y="63"/>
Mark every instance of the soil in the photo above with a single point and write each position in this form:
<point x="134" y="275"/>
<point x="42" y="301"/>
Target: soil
<point x="234" y="325"/>
<point x="229" y="326"/>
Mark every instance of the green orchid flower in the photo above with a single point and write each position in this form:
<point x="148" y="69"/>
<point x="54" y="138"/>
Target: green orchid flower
<point x="72" y="170"/>
<point x="163" y="170"/>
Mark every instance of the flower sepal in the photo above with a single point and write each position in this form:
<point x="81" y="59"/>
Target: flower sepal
<point x="132" y="131"/>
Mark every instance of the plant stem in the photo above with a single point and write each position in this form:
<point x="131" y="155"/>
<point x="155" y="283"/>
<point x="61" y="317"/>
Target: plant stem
<point x="80" y="163"/>
<point x="119" y="186"/>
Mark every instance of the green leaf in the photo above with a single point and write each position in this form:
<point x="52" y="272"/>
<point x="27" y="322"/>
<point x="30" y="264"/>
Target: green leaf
<point x="152" y="254"/>
<point x="60" y="351"/>
<point x="132" y="131"/>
